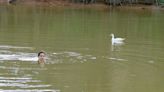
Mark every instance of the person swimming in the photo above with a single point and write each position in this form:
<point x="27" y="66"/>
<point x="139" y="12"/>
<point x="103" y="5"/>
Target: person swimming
<point x="41" y="57"/>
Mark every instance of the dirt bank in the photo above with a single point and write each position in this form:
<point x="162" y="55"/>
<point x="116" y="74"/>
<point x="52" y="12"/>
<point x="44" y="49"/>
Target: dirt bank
<point x="66" y="3"/>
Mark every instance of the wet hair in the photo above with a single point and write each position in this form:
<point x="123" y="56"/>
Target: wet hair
<point x="40" y="53"/>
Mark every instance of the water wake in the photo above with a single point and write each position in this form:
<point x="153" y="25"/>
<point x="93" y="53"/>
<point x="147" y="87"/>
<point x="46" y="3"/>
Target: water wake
<point x="12" y="53"/>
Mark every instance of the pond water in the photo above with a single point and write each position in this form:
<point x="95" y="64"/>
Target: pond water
<point x="80" y="56"/>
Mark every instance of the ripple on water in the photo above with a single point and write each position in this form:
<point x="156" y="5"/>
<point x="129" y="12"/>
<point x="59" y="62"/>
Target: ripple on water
<point x="73" y="57"/>
<point x="10" y="53"/>
<point x="20" y="82"/>
<point x="14" y="47"/>
<point x="115" y="59"/>
<point x="23" y="82"/>
<point x="7" y="54"/>
<point x="33" y="90"/>
<point x="8" y="80"/>
<point x="19" y="56"/>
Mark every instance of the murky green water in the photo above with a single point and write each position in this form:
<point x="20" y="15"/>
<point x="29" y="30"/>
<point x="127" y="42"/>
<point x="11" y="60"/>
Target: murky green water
<point x="81" y="57"/>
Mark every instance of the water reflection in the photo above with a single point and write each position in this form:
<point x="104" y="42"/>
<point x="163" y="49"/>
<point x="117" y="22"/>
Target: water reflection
<point x="117" y="47"/>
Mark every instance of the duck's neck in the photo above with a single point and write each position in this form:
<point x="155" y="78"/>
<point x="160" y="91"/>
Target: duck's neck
<point x="112" y="36"/>
<point x="112" y="40"/>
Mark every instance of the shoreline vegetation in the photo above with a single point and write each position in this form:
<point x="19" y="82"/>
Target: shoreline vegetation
<point x="98" y="4"/>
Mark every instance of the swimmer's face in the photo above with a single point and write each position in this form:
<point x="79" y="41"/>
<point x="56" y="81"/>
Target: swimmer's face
<point x="42" y="56"/>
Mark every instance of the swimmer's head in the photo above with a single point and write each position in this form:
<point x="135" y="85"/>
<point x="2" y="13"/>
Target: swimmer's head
<point x="41" y="56"/>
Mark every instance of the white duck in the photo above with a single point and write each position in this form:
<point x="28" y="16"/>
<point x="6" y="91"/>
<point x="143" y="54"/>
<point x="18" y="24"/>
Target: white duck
<point x="117" y="40"/>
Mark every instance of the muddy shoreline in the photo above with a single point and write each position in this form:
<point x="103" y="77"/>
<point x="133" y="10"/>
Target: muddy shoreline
<point x="66" y="4"/>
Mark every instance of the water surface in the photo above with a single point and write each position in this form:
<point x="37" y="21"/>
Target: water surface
<point x="81" y="57"/>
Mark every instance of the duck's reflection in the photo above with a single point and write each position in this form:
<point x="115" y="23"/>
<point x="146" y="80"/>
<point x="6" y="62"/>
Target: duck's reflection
<point x="116" y="47"/>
